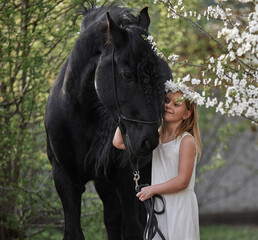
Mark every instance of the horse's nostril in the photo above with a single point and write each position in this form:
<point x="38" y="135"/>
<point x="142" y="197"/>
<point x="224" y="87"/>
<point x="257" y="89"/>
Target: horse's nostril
<point x="146" y="145"/>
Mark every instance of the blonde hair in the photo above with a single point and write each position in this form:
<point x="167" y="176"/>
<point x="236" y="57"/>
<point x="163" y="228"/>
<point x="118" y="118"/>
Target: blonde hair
<point x="189" y="125"/>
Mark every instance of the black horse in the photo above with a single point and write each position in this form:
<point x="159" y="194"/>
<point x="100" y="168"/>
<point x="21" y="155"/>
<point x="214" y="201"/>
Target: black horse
<point x="112" y="73"/>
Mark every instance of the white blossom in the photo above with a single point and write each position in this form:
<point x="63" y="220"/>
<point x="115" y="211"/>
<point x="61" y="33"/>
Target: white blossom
<point x="186" y="78"/>
<point x="221" y="57"/>
<point x="245" y="1"/>
<point x="173" y="57"/>
<point x="211" y="60"/>
<point x="186" y="91"/>
<point x="232" y="56"/>
<point x="235" y="70"/>
<point x="195" y="81"/>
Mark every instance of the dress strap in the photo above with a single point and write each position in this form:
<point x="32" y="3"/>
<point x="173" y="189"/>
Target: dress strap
<point x="187" y="134"/>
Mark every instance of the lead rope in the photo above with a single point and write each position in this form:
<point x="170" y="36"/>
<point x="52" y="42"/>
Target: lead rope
<point x="151" y="227"/>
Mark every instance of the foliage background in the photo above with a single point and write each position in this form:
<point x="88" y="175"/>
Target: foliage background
<point x="35" y="39"/>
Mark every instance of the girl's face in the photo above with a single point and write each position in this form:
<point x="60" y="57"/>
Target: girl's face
<point x="175" y="110"/>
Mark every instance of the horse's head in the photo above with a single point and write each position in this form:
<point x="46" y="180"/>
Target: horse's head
<point x="130" y="81"/>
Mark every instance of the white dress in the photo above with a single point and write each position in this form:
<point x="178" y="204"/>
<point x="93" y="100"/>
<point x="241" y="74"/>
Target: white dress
<point x="180" y="220"/>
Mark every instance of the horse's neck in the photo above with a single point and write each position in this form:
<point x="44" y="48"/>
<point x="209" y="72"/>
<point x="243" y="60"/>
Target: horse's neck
<point x="81" y="66"/>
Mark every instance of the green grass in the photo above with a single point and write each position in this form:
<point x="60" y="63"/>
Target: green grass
<point x="94" y="230"/>
<point x="227" y="232"/>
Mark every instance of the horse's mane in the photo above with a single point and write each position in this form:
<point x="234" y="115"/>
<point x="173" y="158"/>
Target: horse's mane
<point x="97" y="15"/>
<point x="102" y="154"/>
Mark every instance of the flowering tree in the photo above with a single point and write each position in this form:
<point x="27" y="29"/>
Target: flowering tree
<point x="234" y="70"/>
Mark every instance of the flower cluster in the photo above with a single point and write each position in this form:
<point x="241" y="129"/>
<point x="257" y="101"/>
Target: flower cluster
<point x="154" y="46"/>
<point x="187" y="92"/>
<point x="173" y="58"/>
<point x="233" y="74"/>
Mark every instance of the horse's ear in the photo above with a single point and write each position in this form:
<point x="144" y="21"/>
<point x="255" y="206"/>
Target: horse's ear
<point x="144" y="19"/>
<point x="116" y="35"/>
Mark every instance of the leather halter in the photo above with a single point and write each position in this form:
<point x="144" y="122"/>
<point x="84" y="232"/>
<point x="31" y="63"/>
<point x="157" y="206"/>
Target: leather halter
<point x="120" y="115"/>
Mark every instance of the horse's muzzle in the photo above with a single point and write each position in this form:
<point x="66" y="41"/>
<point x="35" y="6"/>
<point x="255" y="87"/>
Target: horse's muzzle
<point x="141" y="148"/>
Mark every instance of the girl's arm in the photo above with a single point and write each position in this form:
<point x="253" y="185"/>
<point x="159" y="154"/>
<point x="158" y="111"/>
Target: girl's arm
<point x="187" y="153"/>
<point x="118" y="139"/>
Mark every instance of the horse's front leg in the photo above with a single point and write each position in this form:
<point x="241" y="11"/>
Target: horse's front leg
<point x="112" y="208"/>
<point x="70" y="195"/>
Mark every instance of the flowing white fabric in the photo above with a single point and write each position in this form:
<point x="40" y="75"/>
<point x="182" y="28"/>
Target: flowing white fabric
<point x="181" y="219"/>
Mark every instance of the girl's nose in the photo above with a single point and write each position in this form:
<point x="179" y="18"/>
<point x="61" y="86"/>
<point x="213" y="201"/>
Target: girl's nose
<point x="167" y="106"/>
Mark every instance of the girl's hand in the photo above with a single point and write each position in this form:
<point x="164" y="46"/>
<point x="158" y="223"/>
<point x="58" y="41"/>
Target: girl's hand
<point x="118" y="139"/>
<point x="145" y="193"/>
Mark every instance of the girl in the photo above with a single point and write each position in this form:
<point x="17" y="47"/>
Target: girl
<point x="173" y="166"/>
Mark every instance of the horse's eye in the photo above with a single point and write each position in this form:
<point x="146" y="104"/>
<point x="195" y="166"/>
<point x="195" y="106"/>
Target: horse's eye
<point x="127" y="76"/>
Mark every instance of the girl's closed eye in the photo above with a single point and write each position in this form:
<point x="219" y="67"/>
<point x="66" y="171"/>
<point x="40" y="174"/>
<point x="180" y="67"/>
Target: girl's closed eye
<point x="167" y="100"/>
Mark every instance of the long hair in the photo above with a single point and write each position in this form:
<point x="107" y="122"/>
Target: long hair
<point x="189" y="125"/>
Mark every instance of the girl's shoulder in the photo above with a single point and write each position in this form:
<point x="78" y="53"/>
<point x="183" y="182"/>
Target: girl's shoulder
<point x="187" y="140"/>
